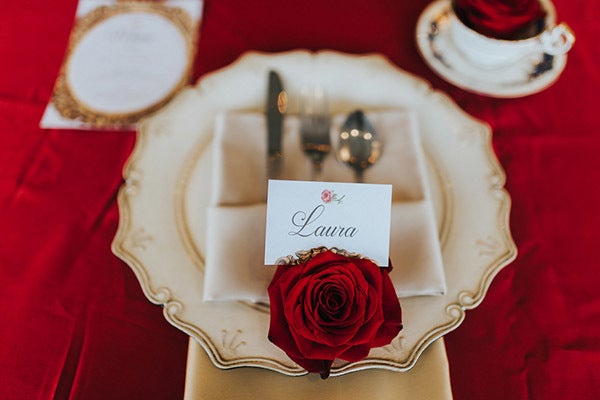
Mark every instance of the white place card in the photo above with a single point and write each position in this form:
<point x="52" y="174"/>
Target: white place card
<point x="303" y="215"/>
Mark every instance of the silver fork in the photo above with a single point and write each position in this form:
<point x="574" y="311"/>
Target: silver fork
<point x="314" y="128"/>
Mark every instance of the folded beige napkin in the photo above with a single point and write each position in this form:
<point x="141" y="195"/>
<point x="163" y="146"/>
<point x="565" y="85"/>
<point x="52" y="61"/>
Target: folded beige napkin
<point x="234" y="267"/>
<point x="429" y="379"/>
<point x="239" y="147"/>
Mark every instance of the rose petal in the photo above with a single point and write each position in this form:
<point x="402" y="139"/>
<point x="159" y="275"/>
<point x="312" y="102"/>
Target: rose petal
<point x="329" y="332"/>
<point x="279" y="333"/>
<point x="346" y="289"/>
<point x="355" y="353"/>
<point x="503" y="19"/>
<point x="392" y="314"/>
<point x="370" y="326"/>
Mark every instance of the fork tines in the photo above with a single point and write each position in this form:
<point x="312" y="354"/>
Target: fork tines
<point x="314" y="127"/>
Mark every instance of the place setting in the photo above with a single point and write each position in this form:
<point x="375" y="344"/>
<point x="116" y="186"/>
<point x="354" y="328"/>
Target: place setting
<point x="201" y="167"/>
<point x="262" y="204"/>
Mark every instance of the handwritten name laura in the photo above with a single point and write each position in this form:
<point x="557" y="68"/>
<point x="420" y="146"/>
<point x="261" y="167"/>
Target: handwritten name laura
<point x="306" y="225"/>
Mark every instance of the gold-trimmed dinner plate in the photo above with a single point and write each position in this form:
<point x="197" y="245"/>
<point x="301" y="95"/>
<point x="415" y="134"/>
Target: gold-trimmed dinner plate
<point x="167" y="188"/>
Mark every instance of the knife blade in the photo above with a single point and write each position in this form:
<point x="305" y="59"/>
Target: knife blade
<point x="275" y="111"/>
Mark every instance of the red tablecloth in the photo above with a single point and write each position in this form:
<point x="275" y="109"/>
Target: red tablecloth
<point x="74" y="322"/>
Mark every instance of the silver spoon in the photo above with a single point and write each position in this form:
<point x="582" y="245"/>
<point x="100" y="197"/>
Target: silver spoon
<point x="358" y="145"/>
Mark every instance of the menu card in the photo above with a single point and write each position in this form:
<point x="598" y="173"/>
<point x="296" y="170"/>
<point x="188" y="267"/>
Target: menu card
<point x="124" y="61"/>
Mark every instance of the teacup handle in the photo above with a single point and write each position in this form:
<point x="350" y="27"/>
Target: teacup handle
<point x="557" y="40"/>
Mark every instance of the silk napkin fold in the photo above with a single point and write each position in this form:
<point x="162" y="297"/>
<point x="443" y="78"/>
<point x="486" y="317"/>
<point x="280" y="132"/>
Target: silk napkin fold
<point x="234" y="267"/>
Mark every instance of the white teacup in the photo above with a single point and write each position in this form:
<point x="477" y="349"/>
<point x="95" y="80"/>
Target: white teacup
<point x="487" y="52"/>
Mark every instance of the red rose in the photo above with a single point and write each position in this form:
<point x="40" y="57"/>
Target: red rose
<point x="502" y="19"/>
<point x="326" y="196"/>
<point x="331" y="307"/>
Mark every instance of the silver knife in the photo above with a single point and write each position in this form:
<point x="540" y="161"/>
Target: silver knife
<point x="275" y="110"/>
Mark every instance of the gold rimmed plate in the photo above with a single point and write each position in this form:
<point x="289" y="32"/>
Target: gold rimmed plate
<point x="167" y="187"/>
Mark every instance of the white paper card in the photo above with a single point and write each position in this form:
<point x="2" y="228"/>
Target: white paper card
<point x="303" y="215"/>
<point x="125" y="60"/>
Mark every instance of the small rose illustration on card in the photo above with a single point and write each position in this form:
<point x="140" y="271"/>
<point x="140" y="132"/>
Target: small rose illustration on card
<point x="327" y="196"/>
<point x="303" y="215"/>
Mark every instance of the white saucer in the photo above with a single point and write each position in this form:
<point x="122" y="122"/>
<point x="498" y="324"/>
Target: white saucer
<point x="529" y="75"/>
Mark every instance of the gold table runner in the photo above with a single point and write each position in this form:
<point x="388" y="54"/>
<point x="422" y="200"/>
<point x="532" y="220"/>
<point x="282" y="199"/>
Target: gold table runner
<point x="429" y="379"/>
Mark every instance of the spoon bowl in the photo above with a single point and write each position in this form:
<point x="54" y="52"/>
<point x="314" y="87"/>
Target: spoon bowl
<point x="358" y="144"/>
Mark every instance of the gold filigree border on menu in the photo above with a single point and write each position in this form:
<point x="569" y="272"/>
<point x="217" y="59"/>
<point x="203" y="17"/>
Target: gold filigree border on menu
<point x="64" y="99"/>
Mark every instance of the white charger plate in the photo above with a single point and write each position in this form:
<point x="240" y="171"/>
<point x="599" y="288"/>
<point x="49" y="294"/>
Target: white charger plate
<point x="167" y="187"/>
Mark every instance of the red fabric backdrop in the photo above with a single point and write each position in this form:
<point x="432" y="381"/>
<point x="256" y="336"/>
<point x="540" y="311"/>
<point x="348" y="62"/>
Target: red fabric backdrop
<point x="75" y="324"/>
